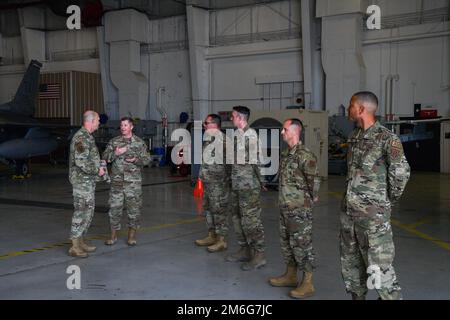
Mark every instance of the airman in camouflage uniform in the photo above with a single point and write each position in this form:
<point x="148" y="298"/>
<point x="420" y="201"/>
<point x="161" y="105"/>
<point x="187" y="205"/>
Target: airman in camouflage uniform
<point x="128" y="155"/>
<point x="84" y="171"/>
<point x="215" y="175"/>
<point x="377" y="176"/>
<point x="298" y="190"/>
<point x="246" y="187"/>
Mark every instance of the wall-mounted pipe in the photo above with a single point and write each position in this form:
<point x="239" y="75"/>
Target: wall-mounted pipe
<point x="387" y="97"/>
<point x="407" y="38"/>
<point x="391" y="97"/>
<point x="394" y="78"/>
<point x="159" y="106"/>
<point x="163" y="113"/>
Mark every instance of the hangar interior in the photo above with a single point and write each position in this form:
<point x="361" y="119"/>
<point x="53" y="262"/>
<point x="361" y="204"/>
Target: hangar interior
<point x="167" y="63"/>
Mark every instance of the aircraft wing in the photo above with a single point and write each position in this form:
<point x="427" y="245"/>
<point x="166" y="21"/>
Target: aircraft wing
<point x="32" y="124"/>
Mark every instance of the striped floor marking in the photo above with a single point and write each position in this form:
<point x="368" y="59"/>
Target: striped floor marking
<point x="101" y="237"/>
<point x="411" y="228"/>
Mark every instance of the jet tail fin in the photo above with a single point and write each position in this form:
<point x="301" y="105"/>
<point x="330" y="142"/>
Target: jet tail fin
<point x="24" y="100"/>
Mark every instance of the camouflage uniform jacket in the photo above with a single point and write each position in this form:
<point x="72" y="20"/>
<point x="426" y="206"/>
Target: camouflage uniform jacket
<point x="299" y="180"/>
<point x="214" y="172"/>
<point x="377" y="171"/>
<point x="122" y="170"/>
<point x="246" y="176"/>
<point x="84" y="159"/>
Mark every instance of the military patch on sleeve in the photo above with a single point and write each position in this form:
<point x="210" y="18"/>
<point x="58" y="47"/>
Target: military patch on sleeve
<point x="79" y="147"/>
<point x="311" y="163"/>
<point x="396" y="149"/>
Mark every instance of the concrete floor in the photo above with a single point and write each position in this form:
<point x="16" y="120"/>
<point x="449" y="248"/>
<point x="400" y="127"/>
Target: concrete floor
<point x="35" y="222"/>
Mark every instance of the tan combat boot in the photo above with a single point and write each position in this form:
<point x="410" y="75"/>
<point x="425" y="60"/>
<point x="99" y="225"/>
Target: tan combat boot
<point x="86" y="247"/>
<point x="220" y="245"/>
<point x="306" y="289"/>
<point x="288" y="279"/>
<point x="113" y="239"/>
<point x="76" y="250"/>
<point x="242" y="255"/>
<point x="258" y="260"/>
<point x="208" y="241"/>
<point x="131" y="237"/>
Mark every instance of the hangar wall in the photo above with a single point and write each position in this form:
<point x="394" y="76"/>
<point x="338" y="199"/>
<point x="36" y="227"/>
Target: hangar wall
<point x="255" y="57"/>
<point x="167" y="52"/>
<point x="168" y="56"/>
<point x="63" y="51"/>
<point x="170" y="70"/>
<point x="420" y="66"/>
<point x="268" y="82"/>
<point x="412" y="48"/>
<point x="263" y="44"/>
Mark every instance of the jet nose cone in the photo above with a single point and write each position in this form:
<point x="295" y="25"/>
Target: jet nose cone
<point x="7" y="149"/>
<point x="18" y="149"/>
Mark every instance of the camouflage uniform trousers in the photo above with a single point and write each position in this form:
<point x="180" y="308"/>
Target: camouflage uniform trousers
<point x="215" y="204"/>
<point x="126" y="195"/>
<point x="84" y="206"/>
<point x="367" y="242"/>
<point x="246" y="217"/>
<point x="296" y="238"/>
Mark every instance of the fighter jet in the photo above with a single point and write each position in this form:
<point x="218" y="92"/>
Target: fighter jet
<point x="21" y="136"/>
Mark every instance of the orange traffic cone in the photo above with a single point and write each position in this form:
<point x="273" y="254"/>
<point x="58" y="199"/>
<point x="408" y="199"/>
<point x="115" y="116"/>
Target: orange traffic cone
<point x="199" y="206"/>
<point x="198" y="190"/>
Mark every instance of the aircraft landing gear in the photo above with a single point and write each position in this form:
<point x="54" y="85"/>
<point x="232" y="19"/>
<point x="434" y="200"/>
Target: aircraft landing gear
<point x="21" y="170"/>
